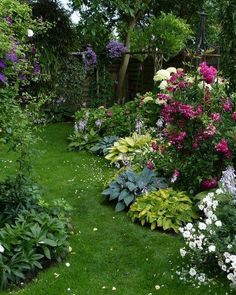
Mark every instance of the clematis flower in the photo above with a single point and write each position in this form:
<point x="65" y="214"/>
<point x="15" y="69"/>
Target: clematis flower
<point x="3" y="78"/>
<point x="12" y="56"/>
<point x="2" y="64"/>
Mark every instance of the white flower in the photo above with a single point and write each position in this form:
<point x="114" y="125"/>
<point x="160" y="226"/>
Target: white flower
<point x="208" y="221"/>
<point x="218" y="223"/>
<point x="95" y="229"/>
<point x="67" y="264"/>
<point x="212" y="248"/>
<point x="203" y="85"/>
<point x="1" y="249"/>
<point x="192" y="272"/>
<point x="163" y="85"/>
<point x="157" y="287"/>
<point x="30" y="33"/>
<point x="189" y="226"/>
<point x="171" y="70"/>
<point x="186" y="234"/>
<point x="182" y="252"/>
<point x="113" y="288"/>
<point x="202" y="226"/>
<point x="161" y="75"/>
<point x="202" y="278"/>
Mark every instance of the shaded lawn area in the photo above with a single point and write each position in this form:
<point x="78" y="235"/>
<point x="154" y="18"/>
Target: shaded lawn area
<point x="119" y="253"/>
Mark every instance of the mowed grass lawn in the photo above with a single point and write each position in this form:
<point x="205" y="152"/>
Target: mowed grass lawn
<point x="109" y="251"/>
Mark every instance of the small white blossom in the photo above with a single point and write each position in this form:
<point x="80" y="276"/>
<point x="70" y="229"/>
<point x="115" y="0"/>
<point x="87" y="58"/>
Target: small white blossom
<point x="30" y="33"/>
<point x="218" y="223"/>
<point x="192" y="272"/>
<point x="212" y="248"/>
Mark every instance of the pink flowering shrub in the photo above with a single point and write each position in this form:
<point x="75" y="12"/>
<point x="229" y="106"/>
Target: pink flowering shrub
<point x="199" y="119"/>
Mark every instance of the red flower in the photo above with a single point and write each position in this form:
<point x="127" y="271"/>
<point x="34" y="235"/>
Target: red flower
<point x="209" y="183"/>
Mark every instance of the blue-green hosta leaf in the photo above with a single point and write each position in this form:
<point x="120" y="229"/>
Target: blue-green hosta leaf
<point x="106" y="192"/>
<point x="120" y="206"/>
<point x="123" y="195"/>
<point x="129" y="200"/>
<point x="131" y="186"/>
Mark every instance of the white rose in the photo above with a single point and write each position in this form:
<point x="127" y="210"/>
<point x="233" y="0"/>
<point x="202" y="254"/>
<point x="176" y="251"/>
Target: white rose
<point x="208" y="221"/>
<point x="30" y="33"/>
<point x="161" y="75"/>
<point x="163" y="85"/>
<point x="171" y="70"/>
<point x="212" y="248"/>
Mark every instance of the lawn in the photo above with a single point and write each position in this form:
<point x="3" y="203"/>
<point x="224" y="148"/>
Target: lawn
<point x="109" y="251"/>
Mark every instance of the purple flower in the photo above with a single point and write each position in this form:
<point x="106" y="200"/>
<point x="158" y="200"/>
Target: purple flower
<point x="37" y="68"/>
<point x="12" y="56"/>
<point x="90" y="59"/>
<point x="3" y="78"/>
<point x="22" y="77"/>
<point x="115" y="49"/>
<point x="2" y="64"/>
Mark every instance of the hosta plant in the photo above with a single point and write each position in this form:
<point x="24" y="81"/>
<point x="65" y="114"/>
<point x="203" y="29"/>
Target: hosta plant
<point x="125" y="148"/>
<point x="102" y="146"/>
<point x="129" y="185"/>
<point x="83" y="141"/>
<point x="166" y="208"/>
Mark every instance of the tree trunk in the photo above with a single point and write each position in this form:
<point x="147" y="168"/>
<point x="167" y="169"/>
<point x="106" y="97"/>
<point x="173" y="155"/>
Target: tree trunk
<point x="125" y="62"/>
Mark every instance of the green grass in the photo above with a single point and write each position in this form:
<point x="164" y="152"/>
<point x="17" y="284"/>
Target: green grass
<point x="119" y="254"/>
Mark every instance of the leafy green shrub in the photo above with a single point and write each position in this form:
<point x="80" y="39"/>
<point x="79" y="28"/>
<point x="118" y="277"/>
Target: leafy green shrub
<point x="83" y="141"/>
<point x="16" y="194"/>
<point x="102" y="146"/>
<point x="165" y="208"/>
<point x="125" y="148"/>
<point x="128" y="185"/>
<point x="31" y="242"/>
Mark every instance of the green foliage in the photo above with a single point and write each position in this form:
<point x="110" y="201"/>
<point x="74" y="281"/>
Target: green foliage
<point x="129" y="185"/>
<point x="103" y="145"/>
<point x="32" y="241"/>
<point x="16" y="194"/>
<point x="166" y="208"/>
<point x="168" y="31"/>
<point x="227" y="16"/>
<point x="125" y="148"/>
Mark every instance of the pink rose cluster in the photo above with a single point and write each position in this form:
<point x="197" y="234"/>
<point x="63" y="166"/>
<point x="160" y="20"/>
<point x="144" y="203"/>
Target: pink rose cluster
<point x="177" y="81"/>
<point x="175" y="107"/>
<point x="208" y="72"/>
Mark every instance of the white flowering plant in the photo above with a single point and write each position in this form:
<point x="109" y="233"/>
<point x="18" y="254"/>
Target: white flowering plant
<point x="211" y="242"/>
